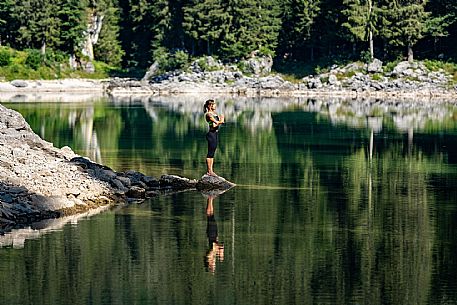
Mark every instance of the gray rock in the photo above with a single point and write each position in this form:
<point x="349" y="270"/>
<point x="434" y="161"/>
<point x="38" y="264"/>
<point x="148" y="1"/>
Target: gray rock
<point x="140" y="184"/>
<point x="271" y="82"/>
<point x="176" y="182"/>
<point x="83" y="162"/>
<point x="152" y="71"/>
<point x="135" y="177"/>
<point x="89" y="67"/>
<point x="333" y="80"/>
<point x="120" y="188"/>
<point x="351" y="67"/>
<point x="6" y="198"/>
<point x="19" y="83"/>
<point x="375" y="66"/>
<point x="124" y="180"/>
<point x="186" y="78"/>
<point x="401" y="67"/>
<point x="377" y="86"/>
<point x="136" y="192"/>
<point x="150" y="181"/>
<point x="15" y="190"/>
<point x="257" y="65"/>
<point x="207" y="182"/>
<point x="105" y="174"/>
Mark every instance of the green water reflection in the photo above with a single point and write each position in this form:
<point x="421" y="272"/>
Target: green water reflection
<point x="336" y="204"/>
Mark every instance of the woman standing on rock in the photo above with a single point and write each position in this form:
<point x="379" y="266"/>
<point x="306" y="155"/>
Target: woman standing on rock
<point x="214" y="121"/>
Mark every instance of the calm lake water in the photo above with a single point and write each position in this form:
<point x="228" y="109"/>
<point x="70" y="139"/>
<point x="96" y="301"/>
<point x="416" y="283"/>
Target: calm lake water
<point x="338" y="202"/>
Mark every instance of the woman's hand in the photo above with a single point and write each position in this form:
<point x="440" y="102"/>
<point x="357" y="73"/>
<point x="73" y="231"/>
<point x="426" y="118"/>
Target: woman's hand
<point x="222" y="120"/>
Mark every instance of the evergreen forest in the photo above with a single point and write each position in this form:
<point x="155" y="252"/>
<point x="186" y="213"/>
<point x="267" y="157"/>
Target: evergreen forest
<point x="133" y="34"/>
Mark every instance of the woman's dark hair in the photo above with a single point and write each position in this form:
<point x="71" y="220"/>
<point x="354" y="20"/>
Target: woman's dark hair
<point x="207" y="104"/>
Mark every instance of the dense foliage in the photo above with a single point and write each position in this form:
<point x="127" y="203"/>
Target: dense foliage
<point x="135" y="33"/>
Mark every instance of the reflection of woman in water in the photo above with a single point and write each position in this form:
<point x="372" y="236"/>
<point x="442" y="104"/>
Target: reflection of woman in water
<point x="214" y="121"/>
<point x="215" y="248"/>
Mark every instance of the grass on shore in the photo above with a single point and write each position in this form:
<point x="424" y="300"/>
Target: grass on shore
<point x="30" y="64"/>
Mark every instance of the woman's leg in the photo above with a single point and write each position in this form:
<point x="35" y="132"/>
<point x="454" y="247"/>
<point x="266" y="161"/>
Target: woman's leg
<point x="209" y="166"/>
<point x="212" y="145"/>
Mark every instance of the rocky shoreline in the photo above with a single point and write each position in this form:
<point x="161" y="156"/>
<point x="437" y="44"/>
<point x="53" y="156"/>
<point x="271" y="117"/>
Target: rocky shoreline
<point x="39" y="181"/>
<point x="353" y="80"/>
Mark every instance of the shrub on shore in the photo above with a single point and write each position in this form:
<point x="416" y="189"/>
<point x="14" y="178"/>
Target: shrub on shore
<point x="5" y="57"/>
<point x="31" y="64"/>
<point x="446" y="66"/>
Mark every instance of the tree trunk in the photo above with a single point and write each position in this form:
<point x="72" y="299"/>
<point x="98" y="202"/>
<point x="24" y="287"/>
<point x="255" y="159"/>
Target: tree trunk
<point x="410" y="53"/>
<point x="92" y="34"/>
<point x="370" y="33"/>
<point x="43" y="48"/>
<point x="370" y="37"/>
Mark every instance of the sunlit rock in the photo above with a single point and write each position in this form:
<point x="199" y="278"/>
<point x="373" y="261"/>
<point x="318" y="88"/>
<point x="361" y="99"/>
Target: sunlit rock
<point x="207" y="183"/>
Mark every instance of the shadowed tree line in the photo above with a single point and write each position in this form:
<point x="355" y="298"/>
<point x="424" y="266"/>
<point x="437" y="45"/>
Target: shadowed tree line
<point x="134" y="33"/>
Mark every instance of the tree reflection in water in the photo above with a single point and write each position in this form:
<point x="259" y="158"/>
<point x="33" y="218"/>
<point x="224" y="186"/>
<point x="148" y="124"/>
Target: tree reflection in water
<point x="361" y="209"/>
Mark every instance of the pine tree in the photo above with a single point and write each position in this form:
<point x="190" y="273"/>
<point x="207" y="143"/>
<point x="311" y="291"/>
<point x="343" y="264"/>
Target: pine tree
<point x="254" y="25"/>
<point x="298" y="18"/>
<point x="73" y="22"/>
<point x="38" y="23"/>
<point x="174" y="33"/>
<point x="406" y="23"/>
<point x="206" y="21"/>
<point x="160" y="28"/>
<point x="327" y="37"/>
<point x="108" y="49"/>
<point x="6" y="20"/>
<point x="443" y="21"/>
<point x="143" y="29"/>
<point x="361" y="21"/>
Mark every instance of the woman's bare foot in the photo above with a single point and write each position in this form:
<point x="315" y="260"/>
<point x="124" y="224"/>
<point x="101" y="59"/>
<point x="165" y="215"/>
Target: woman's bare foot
<point x="211" y="174"/>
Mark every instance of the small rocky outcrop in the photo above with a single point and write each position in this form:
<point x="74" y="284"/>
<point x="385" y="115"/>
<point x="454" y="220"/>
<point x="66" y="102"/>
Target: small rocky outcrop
<point x="257" y="64"/>
<point x="375" y="66"/>
<point x="207" y="183"/>
<point x="39" y="181"/>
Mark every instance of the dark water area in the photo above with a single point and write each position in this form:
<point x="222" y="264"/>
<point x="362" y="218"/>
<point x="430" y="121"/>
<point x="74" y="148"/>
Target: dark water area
<point x="338" y="202"/>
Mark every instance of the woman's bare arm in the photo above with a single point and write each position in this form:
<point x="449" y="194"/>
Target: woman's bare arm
<point x="212" y="119"/>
